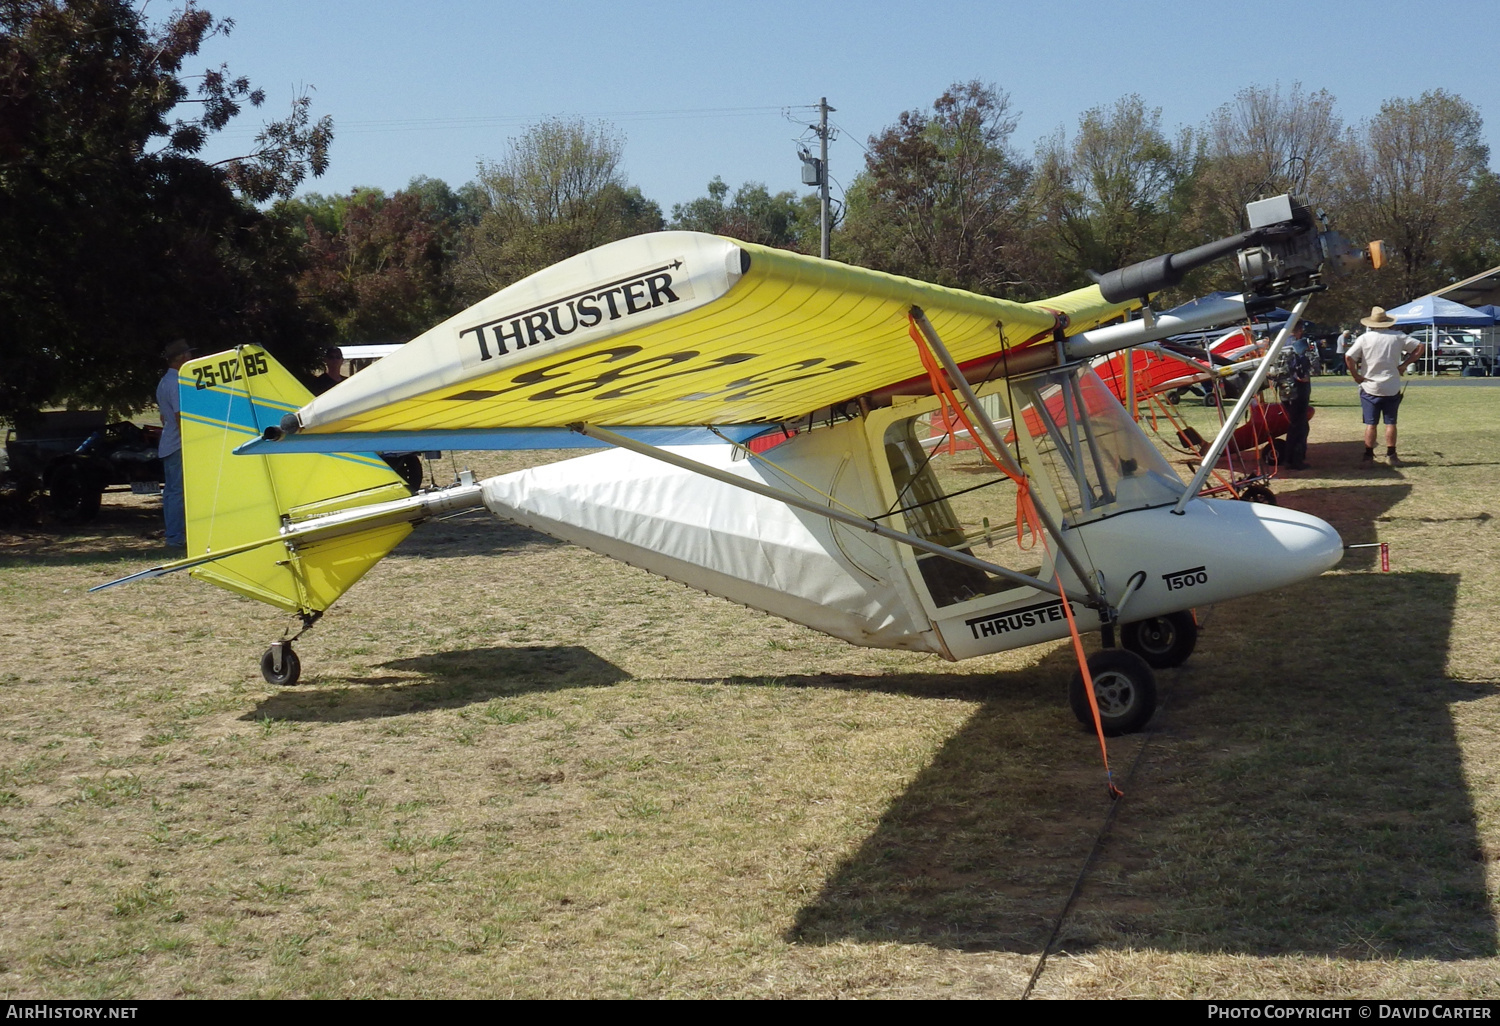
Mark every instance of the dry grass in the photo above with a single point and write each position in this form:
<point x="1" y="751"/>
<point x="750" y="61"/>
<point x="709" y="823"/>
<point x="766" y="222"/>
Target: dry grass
<point x="515" y="768"/>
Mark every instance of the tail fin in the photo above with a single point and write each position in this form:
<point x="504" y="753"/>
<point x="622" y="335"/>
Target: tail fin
<point x="234" y="501"/>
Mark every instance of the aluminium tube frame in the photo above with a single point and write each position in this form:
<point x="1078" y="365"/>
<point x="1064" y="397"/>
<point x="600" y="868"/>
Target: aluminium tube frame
<point x="1226" y="431"/>
<point x="1204" y="314"/>
<point x="798" y="502"/>
<point x="961" y="384"/>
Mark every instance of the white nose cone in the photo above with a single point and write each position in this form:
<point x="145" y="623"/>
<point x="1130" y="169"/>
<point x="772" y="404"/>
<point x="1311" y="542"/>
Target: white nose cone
<point x="1274" y="546"/>
<point x="1215" y="551"/>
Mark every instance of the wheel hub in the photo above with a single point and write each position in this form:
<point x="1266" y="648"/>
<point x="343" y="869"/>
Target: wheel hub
<point x="1114" y="691"/>
<point x="1157" y="635"/>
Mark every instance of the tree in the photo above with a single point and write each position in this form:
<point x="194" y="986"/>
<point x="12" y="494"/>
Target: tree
<point x="1113" y="194"/>
<point x="558" y="192"/>
<point x="754" y="215"/>
<point x="114" y="237"/>
<point x="942" y="196"/>
<point x="1263" y="144"/>
<point x="452" y="210"/>
<point x="1417" y="177"/>
<point x="381" y="274"/>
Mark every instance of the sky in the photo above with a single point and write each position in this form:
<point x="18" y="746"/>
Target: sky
<point x="703" y="89"/>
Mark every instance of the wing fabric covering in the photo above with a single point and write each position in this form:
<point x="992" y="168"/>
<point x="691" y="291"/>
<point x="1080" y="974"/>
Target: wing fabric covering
<point x="227" y="399"/>
<point x="679" y="328"/>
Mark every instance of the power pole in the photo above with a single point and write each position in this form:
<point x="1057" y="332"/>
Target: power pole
<point x="815" y="169"/>
<point x="823" y="110"/>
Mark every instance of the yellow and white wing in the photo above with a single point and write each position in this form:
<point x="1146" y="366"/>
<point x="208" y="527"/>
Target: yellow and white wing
<point x="677" y="328"/>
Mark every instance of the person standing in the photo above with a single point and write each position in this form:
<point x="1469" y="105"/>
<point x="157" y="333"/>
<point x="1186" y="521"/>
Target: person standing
<point x="333" y="371"/>
<point x="1340" y="348"/>
<point x="1294" y="389"/>
<point x="170" y="449"/>
<point x="1376" y="361"/>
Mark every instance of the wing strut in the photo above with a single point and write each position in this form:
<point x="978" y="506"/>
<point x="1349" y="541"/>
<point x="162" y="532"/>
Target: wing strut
<point x="1216" y="450"/>
<point x="961" y="384"/>
<point x="798" y="502"/>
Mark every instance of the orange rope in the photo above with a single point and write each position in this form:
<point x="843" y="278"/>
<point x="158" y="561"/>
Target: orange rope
<point x="1027" y="522"/>
<point x="952" y="411"/>
<point x="1088" y="689"/>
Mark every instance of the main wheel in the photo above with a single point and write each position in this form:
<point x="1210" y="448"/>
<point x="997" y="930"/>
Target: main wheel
<point x="1258" y="493"/>
<point x="409" y="466"/>
<point x="1124" y="687"/>
<point x="291" y="666"/>
<point x="1274" y="451"/>
<point x="1163" y="641"/>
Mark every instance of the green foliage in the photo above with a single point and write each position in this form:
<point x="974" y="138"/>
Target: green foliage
<point x="381" y="275"/>
<point x="784" y="220"/>
<point x="114" y="237"/>
<point x="558" y="192"/>
<point x="943" y="196"/>
<point x="1113" y="194"/>
<point x="1417" y="176"/>
<point x="1264" y="143"/>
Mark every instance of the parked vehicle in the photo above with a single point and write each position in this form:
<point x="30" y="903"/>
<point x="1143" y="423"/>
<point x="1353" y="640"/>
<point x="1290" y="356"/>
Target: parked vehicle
<point x="1457" y="348"/>
<point x="72" y="456"/>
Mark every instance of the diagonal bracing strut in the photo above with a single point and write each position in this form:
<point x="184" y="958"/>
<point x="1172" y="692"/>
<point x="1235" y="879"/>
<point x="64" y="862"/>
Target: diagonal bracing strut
<point x="961" y="385"/>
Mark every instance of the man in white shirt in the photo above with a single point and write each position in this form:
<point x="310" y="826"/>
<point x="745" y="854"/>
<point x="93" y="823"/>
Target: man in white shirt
<point x="170" y="447"/>
<point x="1376" y="361"/>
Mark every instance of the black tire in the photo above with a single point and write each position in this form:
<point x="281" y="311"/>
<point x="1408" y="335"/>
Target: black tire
<point x="409" y="466"/>
<point x="20" y="501"/>
<point x="73" y="494"/>
<point x="1124" y="687"/>
<point x="1258" y="493"/>
<point x="1163" y="641"/>
<point x="1274" y="452"/>
<point x="291" y="667"/>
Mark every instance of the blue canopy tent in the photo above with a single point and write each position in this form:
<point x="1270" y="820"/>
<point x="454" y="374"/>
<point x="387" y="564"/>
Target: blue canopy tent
<point x="1434" y="312"/>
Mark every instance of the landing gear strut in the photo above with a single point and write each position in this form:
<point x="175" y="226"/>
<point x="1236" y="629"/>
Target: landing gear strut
<point x="280" y="665"/>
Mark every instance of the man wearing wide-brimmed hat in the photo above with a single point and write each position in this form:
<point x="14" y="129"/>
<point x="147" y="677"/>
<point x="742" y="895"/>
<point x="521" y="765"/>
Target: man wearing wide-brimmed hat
<point x="1376" y="361"/>
<point x="170" y="449"/>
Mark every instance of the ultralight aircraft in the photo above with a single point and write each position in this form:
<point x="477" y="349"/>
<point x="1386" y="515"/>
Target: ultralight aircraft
<point x="768" y="420"/>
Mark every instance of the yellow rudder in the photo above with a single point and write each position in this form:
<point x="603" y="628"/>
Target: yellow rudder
<point x="228" y="399"/>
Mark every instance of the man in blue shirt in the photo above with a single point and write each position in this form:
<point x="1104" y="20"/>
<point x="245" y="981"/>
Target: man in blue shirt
<point x="170" y="448"/>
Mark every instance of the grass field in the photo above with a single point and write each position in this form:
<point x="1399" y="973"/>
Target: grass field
<point x="516" y="768"/>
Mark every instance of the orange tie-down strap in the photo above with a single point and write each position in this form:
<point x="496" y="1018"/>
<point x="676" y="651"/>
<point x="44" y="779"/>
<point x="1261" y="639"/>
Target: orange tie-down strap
<point x="1027" y="522"/>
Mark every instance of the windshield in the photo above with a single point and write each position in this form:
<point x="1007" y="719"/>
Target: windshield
<point x="1098" y="459"/>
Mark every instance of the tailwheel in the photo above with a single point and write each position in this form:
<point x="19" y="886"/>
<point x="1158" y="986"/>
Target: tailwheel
<point x="1163" y="641"/>
<point x="1258" y="493"/>
<point x="280" y="665"/>
<point x="1124" y="688"/>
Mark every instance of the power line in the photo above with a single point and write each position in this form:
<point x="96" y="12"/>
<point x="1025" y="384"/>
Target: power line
<point x="380" y="125"/>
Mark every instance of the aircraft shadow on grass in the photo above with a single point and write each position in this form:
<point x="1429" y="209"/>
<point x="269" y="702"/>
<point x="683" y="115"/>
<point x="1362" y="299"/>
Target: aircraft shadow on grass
<point x="1302" y="790"/>
<point x="451" y="680"/>
<point x="474" y="533"/>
